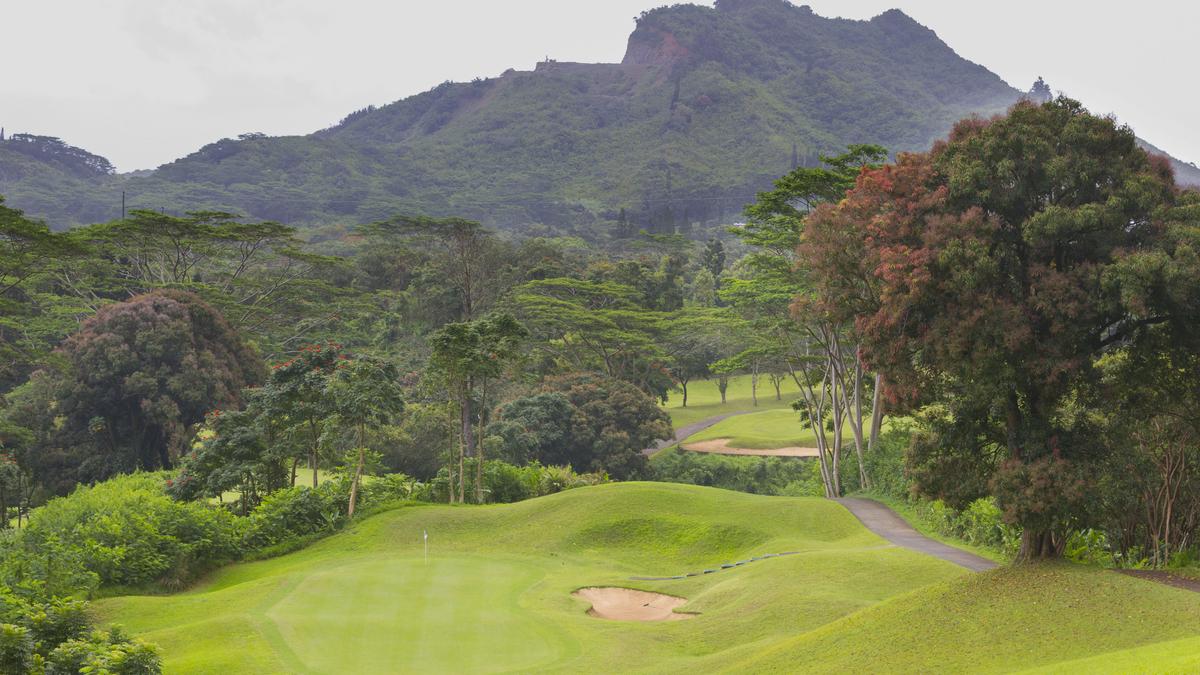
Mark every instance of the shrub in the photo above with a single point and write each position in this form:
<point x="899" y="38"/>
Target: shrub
<point x="16" y="650"/>
<point x="127" y="531"/>
<point x="505" y="483"/>
<point x="56" y="622"/>
<point x="297" y="512"/>
<point x="757" y="475"/>
<point x="104" y="652"/>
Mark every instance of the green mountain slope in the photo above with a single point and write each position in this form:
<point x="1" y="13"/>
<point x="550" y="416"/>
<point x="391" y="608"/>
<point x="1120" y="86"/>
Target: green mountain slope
<point x="708" y="105"/>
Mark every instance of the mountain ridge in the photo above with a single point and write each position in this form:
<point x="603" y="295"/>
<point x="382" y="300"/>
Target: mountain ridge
<point x="707" y="106"/>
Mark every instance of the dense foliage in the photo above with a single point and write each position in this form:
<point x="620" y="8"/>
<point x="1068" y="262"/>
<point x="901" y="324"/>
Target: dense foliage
<point x="990" y="276"/>
<point x="590" y="422"/>
<point x="136" y="377"/>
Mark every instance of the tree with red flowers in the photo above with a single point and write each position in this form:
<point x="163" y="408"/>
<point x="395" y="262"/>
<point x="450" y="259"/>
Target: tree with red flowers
<point x="987" y="278"/>
<point x="295" y="404"/>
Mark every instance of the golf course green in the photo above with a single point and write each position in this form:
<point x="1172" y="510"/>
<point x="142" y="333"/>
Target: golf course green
<point x="496" y="596"/>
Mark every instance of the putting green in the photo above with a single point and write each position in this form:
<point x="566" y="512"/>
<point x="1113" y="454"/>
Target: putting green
<point x="762" y="430"/>
<point x="413" y="613"/>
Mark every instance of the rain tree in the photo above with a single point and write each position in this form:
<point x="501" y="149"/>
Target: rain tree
<point x="1007" y="262"/>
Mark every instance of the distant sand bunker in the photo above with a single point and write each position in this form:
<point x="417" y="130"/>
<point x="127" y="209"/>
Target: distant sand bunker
<point x="720" y="446"/>
<point x="626" y="604"/>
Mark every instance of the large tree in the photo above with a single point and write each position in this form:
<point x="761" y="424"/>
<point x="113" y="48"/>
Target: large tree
<point x="471" y="356"/>
<point x="1008" y="260"/>
<point x="140" y="374"/>
<point x="366" y="394"/>
<point x="589" y="421"/>
<point x="777" y="292"/>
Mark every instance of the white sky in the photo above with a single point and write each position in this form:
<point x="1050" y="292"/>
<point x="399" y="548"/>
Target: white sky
<point x="143" y="82"/>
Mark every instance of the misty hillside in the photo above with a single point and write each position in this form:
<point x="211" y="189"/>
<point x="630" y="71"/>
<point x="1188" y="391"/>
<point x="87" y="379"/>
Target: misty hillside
<point x="708" y="105"/>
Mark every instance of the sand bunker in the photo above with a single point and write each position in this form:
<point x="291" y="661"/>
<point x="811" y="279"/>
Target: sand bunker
<point x="626" y="604"/>
<point x="720" y="446"/>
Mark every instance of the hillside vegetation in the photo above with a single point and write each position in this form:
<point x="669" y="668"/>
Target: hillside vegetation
<point x="708" y="106"/>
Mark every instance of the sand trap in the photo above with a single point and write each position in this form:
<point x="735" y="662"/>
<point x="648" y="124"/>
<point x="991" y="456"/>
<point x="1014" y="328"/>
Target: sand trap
<point x="720" y="446"/>
<point x="626" y="604"/>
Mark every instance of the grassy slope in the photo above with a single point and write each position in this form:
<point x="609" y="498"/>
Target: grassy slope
<point x="364" y="601"/>
<point x="704" y="399"/>
<point x="1005" y="620"/>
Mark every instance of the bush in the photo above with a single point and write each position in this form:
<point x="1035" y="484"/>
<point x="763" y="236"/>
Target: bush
<point x="789" y="476"/>
<point x="104" y="652"/>
<point x="56" y="622"/>
<point x="127" y="531"/>
<point x="505" y="483"/>
<point x="297" y="512"/>
<point x="16" y="650"/>
<point x="980" y="524"/>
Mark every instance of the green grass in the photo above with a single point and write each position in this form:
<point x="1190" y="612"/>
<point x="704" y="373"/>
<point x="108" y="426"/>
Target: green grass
<point x="495" y="595"/>
<point x="764" y="430"/>
<point x="1061" y="617"/>
<point x="704" y="399"/>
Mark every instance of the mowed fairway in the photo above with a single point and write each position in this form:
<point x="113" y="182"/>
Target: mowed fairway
<point x="704" y="399"/>
<point x="495" y="596"/>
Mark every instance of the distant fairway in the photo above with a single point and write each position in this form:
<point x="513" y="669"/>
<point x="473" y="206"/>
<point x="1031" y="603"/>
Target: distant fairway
<point x="704" y="399"/>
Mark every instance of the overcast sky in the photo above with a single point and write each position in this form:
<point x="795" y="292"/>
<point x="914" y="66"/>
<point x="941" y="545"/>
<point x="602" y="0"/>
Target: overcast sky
<point x="143" y="82"/>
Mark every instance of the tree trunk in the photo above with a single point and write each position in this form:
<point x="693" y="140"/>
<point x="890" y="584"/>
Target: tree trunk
<point x="683" y="386"/>
<point x="754" y="385"/>
<point x="483" y="397"/>
<point x="358" y="471"/>
<point x="876" y="413"/>
<point x="723" y="385"/>
<point x="295" y="462"/>
<point x="467" y="440"/>
<point x="312" y="461"/>
<point x="1040" y="546"/>
<point x="864" y="481"/>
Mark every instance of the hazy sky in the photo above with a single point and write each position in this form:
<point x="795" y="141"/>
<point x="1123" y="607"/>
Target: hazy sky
<point x="145" y="81"/>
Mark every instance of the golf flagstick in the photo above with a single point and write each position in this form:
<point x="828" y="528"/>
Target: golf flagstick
<point x="426" y="537"/>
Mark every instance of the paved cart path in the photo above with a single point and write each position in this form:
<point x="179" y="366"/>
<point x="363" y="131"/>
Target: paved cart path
<point x="888" y="524"/>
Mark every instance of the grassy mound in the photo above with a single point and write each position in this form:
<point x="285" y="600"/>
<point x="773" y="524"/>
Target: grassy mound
<point x="1063" y="617"/>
